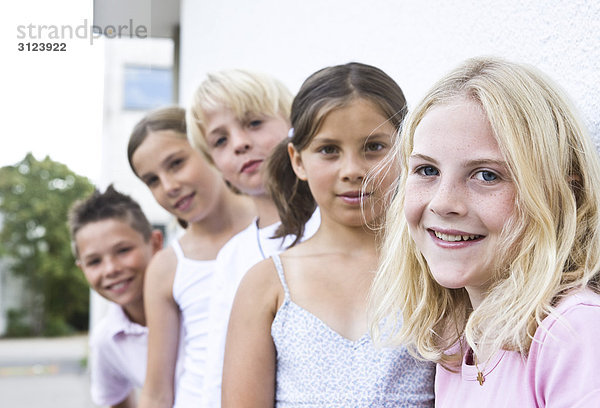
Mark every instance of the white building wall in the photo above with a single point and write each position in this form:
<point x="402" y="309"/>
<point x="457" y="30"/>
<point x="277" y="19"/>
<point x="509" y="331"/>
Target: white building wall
<point x="119" y="122"/>
<point x="414" y="41"/>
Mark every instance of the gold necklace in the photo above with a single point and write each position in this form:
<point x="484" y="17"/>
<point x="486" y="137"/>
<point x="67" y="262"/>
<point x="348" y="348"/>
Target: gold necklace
<point x="480" y="377"/>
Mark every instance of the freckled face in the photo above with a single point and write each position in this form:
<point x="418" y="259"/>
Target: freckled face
<point x="239" y="147"/>
<point x="350" y="143"/>
<point x="459" y="195"/>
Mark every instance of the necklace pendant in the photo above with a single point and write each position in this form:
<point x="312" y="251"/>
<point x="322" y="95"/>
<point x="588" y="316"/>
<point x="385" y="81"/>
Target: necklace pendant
<point x="480" y="378"/>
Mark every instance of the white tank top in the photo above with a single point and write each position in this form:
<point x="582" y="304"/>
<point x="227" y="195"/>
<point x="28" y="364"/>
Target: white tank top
<point x="192" y="289"/>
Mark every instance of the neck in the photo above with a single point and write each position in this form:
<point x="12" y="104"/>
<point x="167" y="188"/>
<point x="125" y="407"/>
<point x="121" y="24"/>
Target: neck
<point x="359" y="240"/>
<point x="266" y="209"/>
<point x="135" y="312"/>
<point x="476" y="296"/>
<point x="231" y="213"/>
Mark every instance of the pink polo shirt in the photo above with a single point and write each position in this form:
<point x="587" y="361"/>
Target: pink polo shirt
<point x="118" y="352"/>
<point x="560" y="372"/>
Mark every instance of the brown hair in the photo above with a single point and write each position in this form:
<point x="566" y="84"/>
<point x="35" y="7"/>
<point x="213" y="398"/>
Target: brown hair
<point x="169" y="118"/>
<point x="108" y="205"/>
<point x="324" y="91"/>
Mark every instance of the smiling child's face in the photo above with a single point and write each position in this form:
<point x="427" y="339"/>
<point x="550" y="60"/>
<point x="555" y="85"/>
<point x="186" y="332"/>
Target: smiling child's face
<point x="459" y="195"/>
<point x="113" y="257"/>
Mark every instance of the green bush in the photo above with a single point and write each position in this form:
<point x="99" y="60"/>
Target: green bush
<point x="57" y="326"/>
<point x="35" y="197"/>
<point x="15" y="325"/>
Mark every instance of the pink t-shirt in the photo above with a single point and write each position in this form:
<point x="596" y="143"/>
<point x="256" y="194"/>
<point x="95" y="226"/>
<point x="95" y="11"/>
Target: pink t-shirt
<point x="560" y="372"/>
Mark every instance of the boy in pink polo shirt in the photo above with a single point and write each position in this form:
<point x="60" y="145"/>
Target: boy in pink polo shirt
<point x="113" y="243"/>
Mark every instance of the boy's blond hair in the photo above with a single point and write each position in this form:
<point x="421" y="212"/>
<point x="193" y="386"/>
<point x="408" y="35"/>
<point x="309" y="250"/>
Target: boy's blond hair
<point x="244" y="92"/>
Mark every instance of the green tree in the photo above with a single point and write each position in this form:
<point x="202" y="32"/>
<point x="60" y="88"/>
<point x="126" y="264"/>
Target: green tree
<point x="34" y="200"/>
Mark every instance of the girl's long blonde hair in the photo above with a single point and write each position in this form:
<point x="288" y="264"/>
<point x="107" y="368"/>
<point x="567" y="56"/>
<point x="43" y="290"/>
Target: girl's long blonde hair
<point x="550" y="245"/>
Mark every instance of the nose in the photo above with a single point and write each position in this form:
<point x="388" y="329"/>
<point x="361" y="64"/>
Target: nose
<point x="448" y="199"/>
<point x="170" y="185"/>
<point x="241" y="141"/>
<point x="352" y="168"/>
<point x="111" y="267"/>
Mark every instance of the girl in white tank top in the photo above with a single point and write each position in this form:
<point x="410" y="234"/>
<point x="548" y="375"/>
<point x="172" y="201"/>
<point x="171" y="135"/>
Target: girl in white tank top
<point x="179" y="280"/>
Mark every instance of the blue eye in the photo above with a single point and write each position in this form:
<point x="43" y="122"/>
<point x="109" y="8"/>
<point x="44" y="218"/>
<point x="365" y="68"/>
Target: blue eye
<point x="486" y="175"/>
<point x="220" y="141"/>
<point x="255" y="123"/>
<point x="428" y="171"/>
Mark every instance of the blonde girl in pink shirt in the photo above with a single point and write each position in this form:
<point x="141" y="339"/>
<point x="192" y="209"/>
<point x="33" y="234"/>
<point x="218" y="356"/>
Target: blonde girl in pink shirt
<point x="492" y="251"/>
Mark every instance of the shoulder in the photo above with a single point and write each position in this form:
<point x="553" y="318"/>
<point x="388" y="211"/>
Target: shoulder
<point x="572" y="316"/>
<point x="262" y="279"/>
<point x="564" y="355"/>
<point x="163" y="262"/>
<point x="102" y="333"/>
<point x="160" y="275"/>
<point x="572" y="329"/>
<point x="239" y="243"/>
<point x="248" y="233"/>
<point x="105" y="329"/>
<point x="263" y="275"/>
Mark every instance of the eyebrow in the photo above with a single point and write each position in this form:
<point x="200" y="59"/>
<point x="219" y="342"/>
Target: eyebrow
<point x="122" y="242"/>
<point x="214" y="131"/>
<point x="364" y="140"/>
<point x="88" y="257"/>
<point x="470" y="163"/>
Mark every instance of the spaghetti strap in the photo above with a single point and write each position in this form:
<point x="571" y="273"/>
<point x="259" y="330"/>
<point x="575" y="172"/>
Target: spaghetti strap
<point x="178" y="251"/>
<point x="279" y="267"/>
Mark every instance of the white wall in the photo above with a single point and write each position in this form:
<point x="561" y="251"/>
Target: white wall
<point x="118" y="122"/>
<point x="414" y="41"/>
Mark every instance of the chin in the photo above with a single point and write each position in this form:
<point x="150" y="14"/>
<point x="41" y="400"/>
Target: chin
<point x="447" y="282"/>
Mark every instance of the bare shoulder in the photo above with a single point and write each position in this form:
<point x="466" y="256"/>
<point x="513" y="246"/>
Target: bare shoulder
<point x="263" y="275"/>
<point x="163" y="264"/>
<point x="262" y="279"/>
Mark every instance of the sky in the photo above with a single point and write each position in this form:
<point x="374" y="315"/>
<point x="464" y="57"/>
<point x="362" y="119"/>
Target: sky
<point x="52" y="100"/>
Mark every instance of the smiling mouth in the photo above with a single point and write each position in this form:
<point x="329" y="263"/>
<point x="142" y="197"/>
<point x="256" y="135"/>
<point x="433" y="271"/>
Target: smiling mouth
<point x="119" y="285"/>
<point x="250" y="166"/>
<point x="183" y="202"/>
<point x="456" y="238"/>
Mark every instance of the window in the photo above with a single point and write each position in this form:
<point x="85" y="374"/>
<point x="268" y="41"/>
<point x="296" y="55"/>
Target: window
<point x="147" y="87"/>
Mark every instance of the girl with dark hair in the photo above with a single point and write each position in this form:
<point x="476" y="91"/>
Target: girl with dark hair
<point x="298" y="330"/>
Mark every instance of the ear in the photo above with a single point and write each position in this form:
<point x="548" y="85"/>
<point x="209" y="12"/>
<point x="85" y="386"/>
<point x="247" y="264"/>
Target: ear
<point x="296" y="161"/>
<point x="78" y="263"/>
<point x="156" y="239"/>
